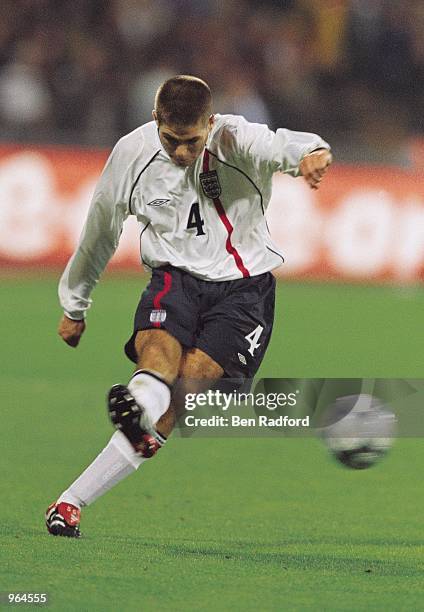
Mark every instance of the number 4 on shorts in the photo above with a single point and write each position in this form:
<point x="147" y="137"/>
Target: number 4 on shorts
<point x="253" y="338"/>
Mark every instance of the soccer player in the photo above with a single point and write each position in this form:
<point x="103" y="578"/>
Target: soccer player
<point x="199" y="185"/>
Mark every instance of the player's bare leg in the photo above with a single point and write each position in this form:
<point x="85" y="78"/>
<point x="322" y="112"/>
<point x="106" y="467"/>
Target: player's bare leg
<point x="160" y="360"/>
<point x="160" y="352"/>
<point x="197" y="373"/>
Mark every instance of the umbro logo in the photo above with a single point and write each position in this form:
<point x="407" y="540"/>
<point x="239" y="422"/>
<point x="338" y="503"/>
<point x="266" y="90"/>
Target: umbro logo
<point x="158" y="202"/>
<point x="242" y="359"/>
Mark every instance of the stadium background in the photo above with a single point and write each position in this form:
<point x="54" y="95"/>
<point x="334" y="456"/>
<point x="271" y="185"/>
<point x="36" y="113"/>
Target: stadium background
<point x="286" y="529"/>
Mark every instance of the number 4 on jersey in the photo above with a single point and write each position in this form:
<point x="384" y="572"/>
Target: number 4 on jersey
<point x="195" y="221"/>
<point x="253" y="338"/>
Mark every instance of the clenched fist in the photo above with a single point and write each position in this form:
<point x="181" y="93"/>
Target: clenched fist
<point x="314" y="166"/>
<point x="70" y="330"/>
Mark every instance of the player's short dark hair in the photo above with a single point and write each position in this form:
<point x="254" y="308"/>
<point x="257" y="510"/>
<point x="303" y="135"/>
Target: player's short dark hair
<point x="183" y="100"/>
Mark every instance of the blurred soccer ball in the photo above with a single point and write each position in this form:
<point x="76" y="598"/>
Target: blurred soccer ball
<point x="358" y="430"/>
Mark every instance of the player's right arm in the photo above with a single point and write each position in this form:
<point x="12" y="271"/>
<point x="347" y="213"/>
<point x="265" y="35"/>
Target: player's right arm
<point x="98" y="242"/>
<point x="70" y="330"/>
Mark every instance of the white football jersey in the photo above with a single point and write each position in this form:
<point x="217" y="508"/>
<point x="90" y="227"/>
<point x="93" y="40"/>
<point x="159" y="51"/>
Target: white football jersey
<point x="207" y="219"/>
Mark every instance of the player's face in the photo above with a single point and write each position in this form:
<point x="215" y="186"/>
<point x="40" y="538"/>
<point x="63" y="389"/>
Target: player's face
<point x="184" y="144"/>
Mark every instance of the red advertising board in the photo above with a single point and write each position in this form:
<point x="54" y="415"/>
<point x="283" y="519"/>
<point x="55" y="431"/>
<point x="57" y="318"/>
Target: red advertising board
<point x="364" y="223"/>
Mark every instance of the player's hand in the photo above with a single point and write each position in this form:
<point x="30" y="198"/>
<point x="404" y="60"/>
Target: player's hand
<point x="314" y="166"/>
<point x="70" y="330"/>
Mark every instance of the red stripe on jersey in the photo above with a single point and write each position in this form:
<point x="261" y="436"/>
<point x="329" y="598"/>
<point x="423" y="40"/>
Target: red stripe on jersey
<point x="231" y="249"/>
<point x="156" y="300"/>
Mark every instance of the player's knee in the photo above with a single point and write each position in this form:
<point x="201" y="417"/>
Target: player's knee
<point x="197" y="365"/>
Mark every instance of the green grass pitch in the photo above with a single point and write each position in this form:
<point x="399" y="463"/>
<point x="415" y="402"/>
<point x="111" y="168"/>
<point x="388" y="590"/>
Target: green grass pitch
<point x="209" y="524"/>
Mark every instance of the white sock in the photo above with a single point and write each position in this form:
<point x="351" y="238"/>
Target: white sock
<point x="116" y="461"/>
<point x="152" y="394"/>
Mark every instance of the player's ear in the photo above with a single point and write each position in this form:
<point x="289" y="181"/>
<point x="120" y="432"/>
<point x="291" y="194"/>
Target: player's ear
<point x="155" y="117"/>
<point x="211" y="121"/>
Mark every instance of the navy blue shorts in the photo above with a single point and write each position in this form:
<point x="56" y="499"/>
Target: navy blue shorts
<point x="231" y="321"/>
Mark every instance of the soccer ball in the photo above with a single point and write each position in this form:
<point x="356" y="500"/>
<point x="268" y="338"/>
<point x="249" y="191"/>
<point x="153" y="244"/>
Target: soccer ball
<point x="358" y="430"/>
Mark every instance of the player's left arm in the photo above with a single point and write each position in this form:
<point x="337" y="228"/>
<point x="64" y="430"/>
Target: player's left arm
<point x="295" y="153"/>
<point x="314" y="166"/>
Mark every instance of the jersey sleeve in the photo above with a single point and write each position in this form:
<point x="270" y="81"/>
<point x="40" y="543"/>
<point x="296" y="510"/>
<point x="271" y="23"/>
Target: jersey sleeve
<point x="270" y="151"/>
<point x="98" y="242"/>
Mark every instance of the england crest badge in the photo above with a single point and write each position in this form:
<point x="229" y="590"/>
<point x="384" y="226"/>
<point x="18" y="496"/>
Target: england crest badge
<point x="210" y="184"/>
<point x="157" y="316"/>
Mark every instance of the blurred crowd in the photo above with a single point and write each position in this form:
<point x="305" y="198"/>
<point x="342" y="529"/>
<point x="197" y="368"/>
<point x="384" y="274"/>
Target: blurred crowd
<point x="85" y="71"/>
